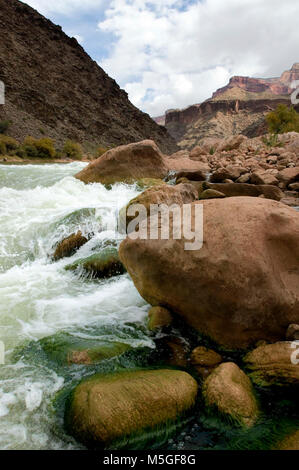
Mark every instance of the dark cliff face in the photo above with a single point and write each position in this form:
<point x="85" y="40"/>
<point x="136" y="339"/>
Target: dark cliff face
<point x="53" y="87"/>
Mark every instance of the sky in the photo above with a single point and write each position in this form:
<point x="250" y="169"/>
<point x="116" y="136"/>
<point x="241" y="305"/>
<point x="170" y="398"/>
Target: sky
<point x="173" y="53"/>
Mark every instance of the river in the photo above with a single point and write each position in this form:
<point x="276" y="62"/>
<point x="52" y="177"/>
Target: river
<point x="40" y="205"/>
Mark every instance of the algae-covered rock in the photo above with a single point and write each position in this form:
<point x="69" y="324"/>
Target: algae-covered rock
<point x="69" y="245"/>
<point x="291" y="442"/>
<point x="105" y="408"/>
<point x="100" y="265"/>
<point x="229" y="390"/>
<point x="274" y="364"/>
<point x="65" y="348"/>
<point x="158" y="317"/>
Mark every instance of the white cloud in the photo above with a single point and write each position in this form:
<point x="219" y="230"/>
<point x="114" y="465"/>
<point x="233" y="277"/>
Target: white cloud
<point x="171" y="53"/>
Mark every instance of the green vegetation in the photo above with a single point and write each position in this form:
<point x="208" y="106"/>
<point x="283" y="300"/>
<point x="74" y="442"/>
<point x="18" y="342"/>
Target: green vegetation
<point x="4" y="125"/>
<point x="8" y="145"/>
<point x="44" y="147"/>
<point x="72" y="150"/>
<point x="37" y="148"/>
<point x="282" y="120"/>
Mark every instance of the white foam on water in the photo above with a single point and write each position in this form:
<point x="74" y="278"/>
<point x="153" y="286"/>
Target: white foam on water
<point x="40" y="205"/>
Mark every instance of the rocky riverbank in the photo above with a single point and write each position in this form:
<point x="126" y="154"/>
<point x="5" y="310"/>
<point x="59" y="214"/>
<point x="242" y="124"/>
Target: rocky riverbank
<point x="224" y="317"/>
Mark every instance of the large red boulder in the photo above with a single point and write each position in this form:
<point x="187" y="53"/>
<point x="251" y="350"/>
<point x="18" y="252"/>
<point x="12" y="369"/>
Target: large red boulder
<point x="127" y="163"/>
<point x="241" y="286"/>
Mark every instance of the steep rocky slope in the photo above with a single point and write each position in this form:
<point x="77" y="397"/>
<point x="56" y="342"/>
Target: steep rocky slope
<point x="238" y="108"/>
<point x="54" y="88"/>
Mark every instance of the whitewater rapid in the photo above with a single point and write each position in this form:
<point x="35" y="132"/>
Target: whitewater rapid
<point x="40" y="205"/>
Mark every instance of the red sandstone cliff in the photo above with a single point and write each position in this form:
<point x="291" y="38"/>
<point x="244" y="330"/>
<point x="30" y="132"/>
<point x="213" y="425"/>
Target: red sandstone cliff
<point x="238" y="108"/>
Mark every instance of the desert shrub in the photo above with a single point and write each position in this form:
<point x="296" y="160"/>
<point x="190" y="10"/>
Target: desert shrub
<point x="282" y="120"/>
<point x="8" y="145"/>
<point x="45" y="148"/>
<point x="100" y="151"/>
<point x="2" y="148"/>
<point x="4" y="125"/>
<point x="37" y="148"/>
<point x="212" y="151"/>
<point x="72" y="150"/>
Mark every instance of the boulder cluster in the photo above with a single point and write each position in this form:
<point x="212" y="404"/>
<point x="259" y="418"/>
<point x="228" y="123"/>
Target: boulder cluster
<point x="238" y="292"/>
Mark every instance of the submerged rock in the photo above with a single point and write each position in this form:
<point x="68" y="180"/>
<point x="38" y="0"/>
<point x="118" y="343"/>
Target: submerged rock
<point x="229" y="390"/>
<point x="291" y="442"/>
<point x="64" y="348"/>
<point x="173" y="350"/>
<point x="158" y="317"/>
<point x="69" y="245"/>
<point x="105" y="408"/>
<point x="274" y="364"/>
<point x="232" y="289"/>
<point x="100" y="265"/>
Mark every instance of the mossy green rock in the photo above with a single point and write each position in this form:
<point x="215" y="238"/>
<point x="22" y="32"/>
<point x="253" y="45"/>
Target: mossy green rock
<point x="100" y="265"/>
<point x="106" y="408"/>
<point x="229" y="390"/>
<point x="64" y="348"/>
<point x="291" y="442"/>
<point x="274" y="364"/>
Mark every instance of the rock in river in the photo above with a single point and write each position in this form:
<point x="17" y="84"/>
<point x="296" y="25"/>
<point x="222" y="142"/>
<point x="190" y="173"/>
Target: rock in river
<point x="105" y="408"/>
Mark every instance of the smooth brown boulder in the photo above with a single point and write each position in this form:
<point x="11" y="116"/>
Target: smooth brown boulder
<point x="229" y="172"/>
<point x="163" y="194"/>
<point x="244" y="189"/>
<point x="202" y="356"/>
<point x="194" y="175"/>
<point x="263" y="177"/>
<point x="69" y="245"/>
<point x="126" y="163"/>
<point x="274" y="364"/>
<point x="158" y="317"/>
<point x="229" y="390"/>
<point x="104" y="408"/>
<point x="241" y="286"/>
<point x="289" y="175"/>
<point x="204" y="360"/>
<point x="211" y="194"/>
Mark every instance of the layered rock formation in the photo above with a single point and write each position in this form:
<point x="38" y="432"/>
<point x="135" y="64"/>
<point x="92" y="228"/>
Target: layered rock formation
<point x="238" y="108"/>
<point x="275" y="86"/>
<point x="54" y="88"/>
